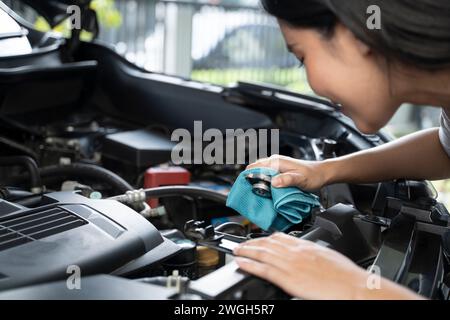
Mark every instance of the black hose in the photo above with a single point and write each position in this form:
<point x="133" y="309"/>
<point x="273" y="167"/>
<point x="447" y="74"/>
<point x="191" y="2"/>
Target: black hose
<point x="30" y="165"/>
<point x="79" y="170"/>
<point x="194" y="192"/>
<point x="17" y="146"/>
<point x="12" y="194"/>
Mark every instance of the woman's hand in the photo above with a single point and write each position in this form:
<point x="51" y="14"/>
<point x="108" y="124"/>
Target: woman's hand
<point x="306" y="270"/>
<point x="306" y="175"/>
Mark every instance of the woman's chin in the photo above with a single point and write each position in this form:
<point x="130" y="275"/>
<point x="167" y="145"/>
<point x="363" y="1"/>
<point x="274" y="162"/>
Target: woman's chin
<point x="363" y="126"/>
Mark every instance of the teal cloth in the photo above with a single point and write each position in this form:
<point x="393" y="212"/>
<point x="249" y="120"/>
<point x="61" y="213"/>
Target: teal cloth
<point x="287" y="207"/>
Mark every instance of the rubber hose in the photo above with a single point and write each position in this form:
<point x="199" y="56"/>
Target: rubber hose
<point x="195" y="192"/>
<point x="15" y="145"/>
<point x="29" y="164"/>
<point x="79" y="170"/>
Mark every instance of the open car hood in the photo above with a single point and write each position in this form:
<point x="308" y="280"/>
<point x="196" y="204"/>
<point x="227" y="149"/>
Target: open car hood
<point x="55" y="11"/>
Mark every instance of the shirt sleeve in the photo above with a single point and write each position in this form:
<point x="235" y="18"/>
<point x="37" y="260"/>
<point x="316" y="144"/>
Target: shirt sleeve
<point x="444" y="130"/>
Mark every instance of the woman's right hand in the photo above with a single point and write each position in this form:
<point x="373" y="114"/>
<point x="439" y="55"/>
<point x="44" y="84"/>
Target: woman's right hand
<point x="306" y="175"/>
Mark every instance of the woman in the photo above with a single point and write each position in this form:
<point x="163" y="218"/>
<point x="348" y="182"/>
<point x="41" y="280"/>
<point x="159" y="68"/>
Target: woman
<point x="370" y="72"/>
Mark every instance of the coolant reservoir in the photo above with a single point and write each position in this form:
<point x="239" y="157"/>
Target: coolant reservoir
<point x="207" y="260"/>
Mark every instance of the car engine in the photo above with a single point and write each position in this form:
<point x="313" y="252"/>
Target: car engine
<point x="106" y="199"/>
<point x="87" y="184"/>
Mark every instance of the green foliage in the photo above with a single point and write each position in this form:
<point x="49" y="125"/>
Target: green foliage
<point x="107" y="12"/>
<point x="108" y="16"/>
<point x="292" y="78"/>
<point x="443" y="189"/>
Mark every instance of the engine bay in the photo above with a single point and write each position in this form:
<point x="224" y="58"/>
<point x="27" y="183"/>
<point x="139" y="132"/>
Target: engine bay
<point x="87" y="183"/>
<point x="167" y="226"/>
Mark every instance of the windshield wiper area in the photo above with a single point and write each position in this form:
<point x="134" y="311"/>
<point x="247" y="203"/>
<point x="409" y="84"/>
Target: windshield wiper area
<point x="273" y="94"/>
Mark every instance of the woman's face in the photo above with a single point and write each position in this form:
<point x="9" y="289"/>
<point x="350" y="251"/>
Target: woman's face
<point x="344" y="70"/>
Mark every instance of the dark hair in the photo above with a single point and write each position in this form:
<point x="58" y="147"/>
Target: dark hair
<point x="413" y="32"/>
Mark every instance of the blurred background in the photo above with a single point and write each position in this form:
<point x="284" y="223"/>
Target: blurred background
<point x="215" y="41"/>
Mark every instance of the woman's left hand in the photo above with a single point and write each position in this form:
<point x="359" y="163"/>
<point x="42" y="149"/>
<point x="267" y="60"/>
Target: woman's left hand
<point x="306" y="270"/>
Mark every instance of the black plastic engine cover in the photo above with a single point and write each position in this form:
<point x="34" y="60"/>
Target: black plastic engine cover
<point x="98" y="236"/>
